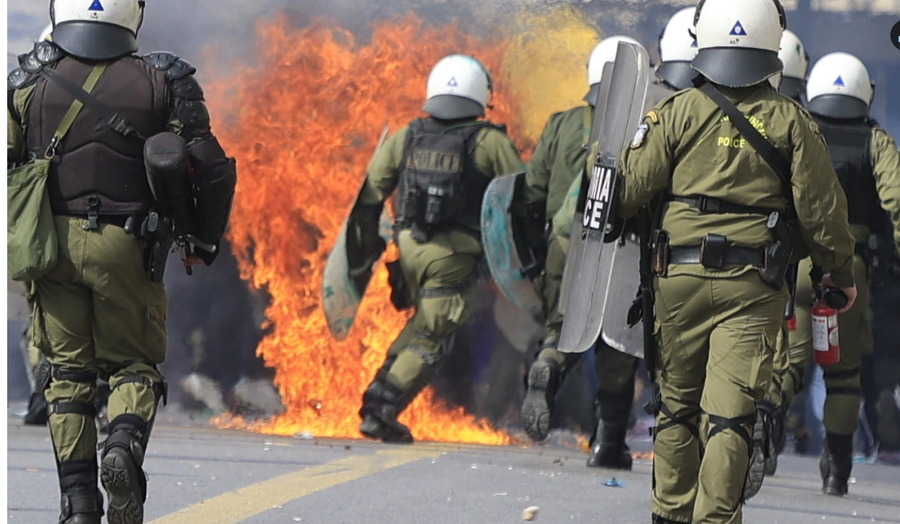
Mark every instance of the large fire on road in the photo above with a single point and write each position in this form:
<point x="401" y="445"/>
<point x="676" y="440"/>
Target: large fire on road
<point x="303" y="124"/>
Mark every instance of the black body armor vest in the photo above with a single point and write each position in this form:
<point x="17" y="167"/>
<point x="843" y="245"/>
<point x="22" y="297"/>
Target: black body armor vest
<point x="439" y="182"/>
<point x="96" y="168"/>
<point x="849" y="146"/>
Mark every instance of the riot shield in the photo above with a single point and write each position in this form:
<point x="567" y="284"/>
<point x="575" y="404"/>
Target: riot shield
<point x="512" y="262"/>
<point x="576" y="238"/>
<point x="624" y="281"/>
<point x="589" y="284"/>
<point x="347" y="273"/>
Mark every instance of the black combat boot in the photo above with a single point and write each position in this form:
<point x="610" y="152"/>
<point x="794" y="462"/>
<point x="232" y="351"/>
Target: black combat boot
<point x="121" y="470"/>
<point x="37" y="405"/>
<point x="381" y="402"/>
<point x="836" y="463"/>
<point x="662" y="520"/>
<point x="80" y="501"/>
<point x="760" y="450"/>
<point x="608" y="449"/>
<point x="37" y="410"/>
<point x="777" y="438"/>
<point x="543" y="383"/>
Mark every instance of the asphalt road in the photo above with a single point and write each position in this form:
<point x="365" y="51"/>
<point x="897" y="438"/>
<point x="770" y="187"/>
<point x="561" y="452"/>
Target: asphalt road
<point x="204" y="475"/>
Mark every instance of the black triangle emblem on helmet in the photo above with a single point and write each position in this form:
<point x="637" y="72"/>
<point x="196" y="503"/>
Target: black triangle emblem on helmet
<point x="738" y="29"/>
<point x="452" y="82"/>
<point x="96" y="6"/>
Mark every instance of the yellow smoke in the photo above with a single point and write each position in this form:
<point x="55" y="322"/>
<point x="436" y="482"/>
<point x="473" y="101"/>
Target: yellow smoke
<point x="546" y="63"/>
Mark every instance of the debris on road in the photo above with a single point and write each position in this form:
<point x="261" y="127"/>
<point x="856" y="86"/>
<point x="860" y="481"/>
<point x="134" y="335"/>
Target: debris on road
<point x="613" y="483"/>
<point x="530" y="513"/>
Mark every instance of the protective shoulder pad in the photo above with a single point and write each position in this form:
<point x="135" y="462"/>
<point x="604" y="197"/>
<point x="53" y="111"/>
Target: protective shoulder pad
<point x="160" y="60"/>
<point x="47" y="52"/>
<point x="174" y="67"/>
<point x="18" y="79"/>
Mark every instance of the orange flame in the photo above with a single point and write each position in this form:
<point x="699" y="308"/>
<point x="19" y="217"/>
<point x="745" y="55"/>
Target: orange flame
<point x="304" y="126"/>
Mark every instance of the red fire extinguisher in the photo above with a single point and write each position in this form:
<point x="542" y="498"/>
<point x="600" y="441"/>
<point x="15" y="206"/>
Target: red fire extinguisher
<point x="826" y="338"/>
<point x="825" y="334"/>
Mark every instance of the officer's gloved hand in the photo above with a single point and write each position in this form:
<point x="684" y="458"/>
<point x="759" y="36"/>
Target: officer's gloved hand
<point x="849" y="291"/>
<point x="364" y="244"/>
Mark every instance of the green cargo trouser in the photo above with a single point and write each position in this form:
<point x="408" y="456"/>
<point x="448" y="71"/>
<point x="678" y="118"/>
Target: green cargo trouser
<point x="842" y="380"/>
<point x="97" y="313"/>
<point x="717" y="342"/>
<point x="781" y="368"/>
<point x="549" y="286"/>
<point x="440" y="276"/>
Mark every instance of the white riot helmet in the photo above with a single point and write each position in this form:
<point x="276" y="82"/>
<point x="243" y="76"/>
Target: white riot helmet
<point x="839" y="86"/>
<point x="458" y="87"/>
<point x="738" y="42"/>
<point x="46" y="35"/>
<point x="96" y="29"/>
<point x="603" y="53"/>
<point x="677" y="47"/>
<point x="796" y="65"/>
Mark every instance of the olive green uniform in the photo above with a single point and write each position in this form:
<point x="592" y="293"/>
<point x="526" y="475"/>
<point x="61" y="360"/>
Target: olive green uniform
<point x="717" y="327"/>
<point x="439" y="274"/>
<point x="559" y="158"/>
<point x="95" y="314"/>
<point x="842" y="380"/>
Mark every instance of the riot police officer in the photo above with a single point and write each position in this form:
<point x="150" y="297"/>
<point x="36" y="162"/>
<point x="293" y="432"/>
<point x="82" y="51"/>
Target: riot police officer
<point x="770" y="425"/>
<point x="441" y="166"/>
<point x="677" y="48"/>
<point x="559" y="158"/>
<point x="793" y="54"/>
<point x="722" y="246"/>
<point x="99" y="311"/>
<point x="867" y="163"/>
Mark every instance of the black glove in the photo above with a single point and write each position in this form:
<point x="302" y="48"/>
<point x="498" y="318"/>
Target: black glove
<point x="364" y="244"/>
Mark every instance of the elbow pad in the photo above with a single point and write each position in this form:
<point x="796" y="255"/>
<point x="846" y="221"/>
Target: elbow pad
<point x="215" y="177"/>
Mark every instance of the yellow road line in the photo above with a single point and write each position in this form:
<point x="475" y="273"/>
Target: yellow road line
<point x="243" y="503"/>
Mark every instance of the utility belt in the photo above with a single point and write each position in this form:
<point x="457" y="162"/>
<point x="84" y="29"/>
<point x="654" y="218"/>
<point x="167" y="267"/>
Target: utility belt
<point x="771" y="260"/>
<point x="713" y="253"/>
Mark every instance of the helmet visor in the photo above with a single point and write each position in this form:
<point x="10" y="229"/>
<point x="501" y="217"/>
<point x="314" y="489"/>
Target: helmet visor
<point x="737" y="67"/>
<point x="94" y="40"/>
<point x="792" y="87"/>
<point x="452" y="107"/>
<point x="679" y="75"/>
<point x="838" y="106"/>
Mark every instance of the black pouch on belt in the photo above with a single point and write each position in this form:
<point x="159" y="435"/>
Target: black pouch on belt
<point x="712" y="251"/>
<point x="776" y="260"/>
<point x="777" y="254"/>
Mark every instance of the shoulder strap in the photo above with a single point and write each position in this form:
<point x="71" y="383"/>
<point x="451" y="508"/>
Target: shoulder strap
<point x="776" y="160"/>
<point x="74" y="109"/>
<point x="115" y="121"/>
